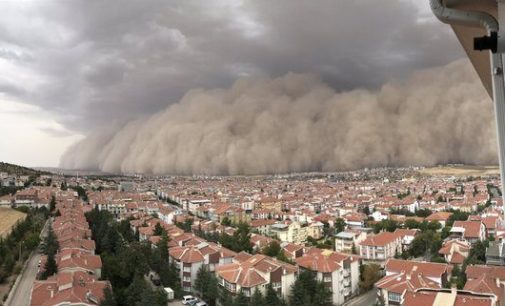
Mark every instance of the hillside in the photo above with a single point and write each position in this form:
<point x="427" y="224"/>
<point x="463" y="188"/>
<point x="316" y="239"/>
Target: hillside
<point x="18" y="170"/>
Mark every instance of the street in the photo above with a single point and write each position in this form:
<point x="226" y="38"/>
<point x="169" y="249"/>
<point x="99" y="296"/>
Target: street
<point x="22" y="293"/>
<point x="20" y="296"/>
<point x="367" y="299"/>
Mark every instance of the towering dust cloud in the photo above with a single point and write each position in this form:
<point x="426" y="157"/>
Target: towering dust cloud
<point x="297" y="123"/>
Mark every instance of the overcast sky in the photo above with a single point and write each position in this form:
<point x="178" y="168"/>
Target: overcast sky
<point x="69" y="67"/>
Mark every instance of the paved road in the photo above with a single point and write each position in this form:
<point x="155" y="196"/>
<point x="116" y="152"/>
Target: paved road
<point x="22" y="293"/>
<point x="21" y="296"/>
<point x="367" y="299"/>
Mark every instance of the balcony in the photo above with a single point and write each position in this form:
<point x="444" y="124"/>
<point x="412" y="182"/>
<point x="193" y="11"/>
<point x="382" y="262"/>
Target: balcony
<point x="347" y="273"/>
<point x="347" y="283"/>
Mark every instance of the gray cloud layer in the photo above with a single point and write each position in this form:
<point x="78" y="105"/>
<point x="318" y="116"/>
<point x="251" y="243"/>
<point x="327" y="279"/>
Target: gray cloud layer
<point x="93" y="62"/>
<point x="298" y="123"/>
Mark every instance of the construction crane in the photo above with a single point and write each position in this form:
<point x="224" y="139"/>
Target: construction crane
<point x="480" y="28"/>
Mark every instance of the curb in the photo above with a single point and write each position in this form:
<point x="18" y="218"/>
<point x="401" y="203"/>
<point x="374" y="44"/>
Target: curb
<point x="18" y="279"/>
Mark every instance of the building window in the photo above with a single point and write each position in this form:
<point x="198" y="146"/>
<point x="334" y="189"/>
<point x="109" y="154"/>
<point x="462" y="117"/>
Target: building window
<point x="187" y="269"/>
<point x="229" y="286"/>
<point x="246" y="291"/>
<point x="186" y="278"/>
<point x="394" y="297"/>
<point x="327" y="277"/>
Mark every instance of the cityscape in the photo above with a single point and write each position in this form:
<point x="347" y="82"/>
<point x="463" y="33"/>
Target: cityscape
<point x="252" y="153"/>
<point x="384" y="236"/>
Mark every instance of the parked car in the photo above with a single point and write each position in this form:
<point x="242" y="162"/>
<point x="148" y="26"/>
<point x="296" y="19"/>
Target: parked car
<point x="202" y="303"/>
<point x="188" y="298"/>
<point x="194" y="302"/>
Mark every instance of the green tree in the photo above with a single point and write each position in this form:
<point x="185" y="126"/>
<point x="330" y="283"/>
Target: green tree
<point x="225" y="298"/>
<point x="206" y="285"/>
<point x="273" y="249"/>
<point x="322" y="296"/>
<point x="136" y="290"/>
<point x="257" y="299"/>
<point x="339" y="225"/>
<point x="241" y="300"/>
<point x="51" y="244"/>
<point x="50" y="267"/>
<point x="272" y="298"/>
<point x="52" y="204"/>
<point x="369" y="276"/>
<point x="158" y="229"/>
<point x="226" y="221"/>
<point x="307" y="291"/>
<point x="108" y="298"/>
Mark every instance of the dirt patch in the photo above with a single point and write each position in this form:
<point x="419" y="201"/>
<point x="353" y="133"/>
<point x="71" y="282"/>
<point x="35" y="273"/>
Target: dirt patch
<point x="461" y="170"/>
<point x="9" y="217"/>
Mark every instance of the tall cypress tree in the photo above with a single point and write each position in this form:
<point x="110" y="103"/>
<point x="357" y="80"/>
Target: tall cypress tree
<point x="50" y="267"/>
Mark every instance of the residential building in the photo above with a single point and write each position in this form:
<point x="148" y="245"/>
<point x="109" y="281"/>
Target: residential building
<point x="189" y="258"/>
<point x="402" y="276"/>
<point x="448" y="297"/>
<point x="68" y="288"/>
<point x="348" y="240"/>
<point x="455" y="251"/>
<point x="441" y="217"/>
<point x="292" y="232"/>
<point x="471" y="231"/>
<point x="380" y="247"/>
<point x="248" y="273"/>
<point x="495" y="253"/>
<point x="486" y="279"/>
<point x="338" y="271"/>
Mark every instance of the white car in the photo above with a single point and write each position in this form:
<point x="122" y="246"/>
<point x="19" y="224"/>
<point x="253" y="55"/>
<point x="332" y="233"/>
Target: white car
<point x="201" y="304"/>
<point x="188" y="298"/>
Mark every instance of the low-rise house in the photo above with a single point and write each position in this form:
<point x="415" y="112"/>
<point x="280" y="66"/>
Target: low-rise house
<point x="292" y="251"/>
<point x="485" y="279"/>
<point x="262" y="226"/>
<point x="68" y="288"/>
<point x="189" y="258"/>
<point x="495" y="253"/>
<point x="455" y="251"/>
<point x="292" y="232"/>
<point x="338" y="271"/>
<point x="471" y="231"/>
<point x="407" y="236"/>
<point x="355" y="220"/>
<point x="441" y="217"/>
<point x="491" y="223"/>
<point x="403" y="276"/>
<point x="76" y="260"/>
<point x="448" y="297"/>
<point x="248" y="273"/>
<point x="380" y="247"/>
<point x="348" y="240"/>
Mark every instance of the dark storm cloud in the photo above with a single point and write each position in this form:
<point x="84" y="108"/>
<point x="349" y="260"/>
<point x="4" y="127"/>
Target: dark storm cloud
<point x="97" y="62"/>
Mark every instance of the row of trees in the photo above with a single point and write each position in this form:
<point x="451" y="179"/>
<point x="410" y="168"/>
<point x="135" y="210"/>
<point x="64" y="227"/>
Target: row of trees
<point x="50" y="247"/>
<point x="126" y="262"/>
<point x="21" y="241"/>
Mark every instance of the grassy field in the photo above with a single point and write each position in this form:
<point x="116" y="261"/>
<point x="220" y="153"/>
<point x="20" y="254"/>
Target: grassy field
<point x="9" y="217"/>
<point x="462" y="170"/>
